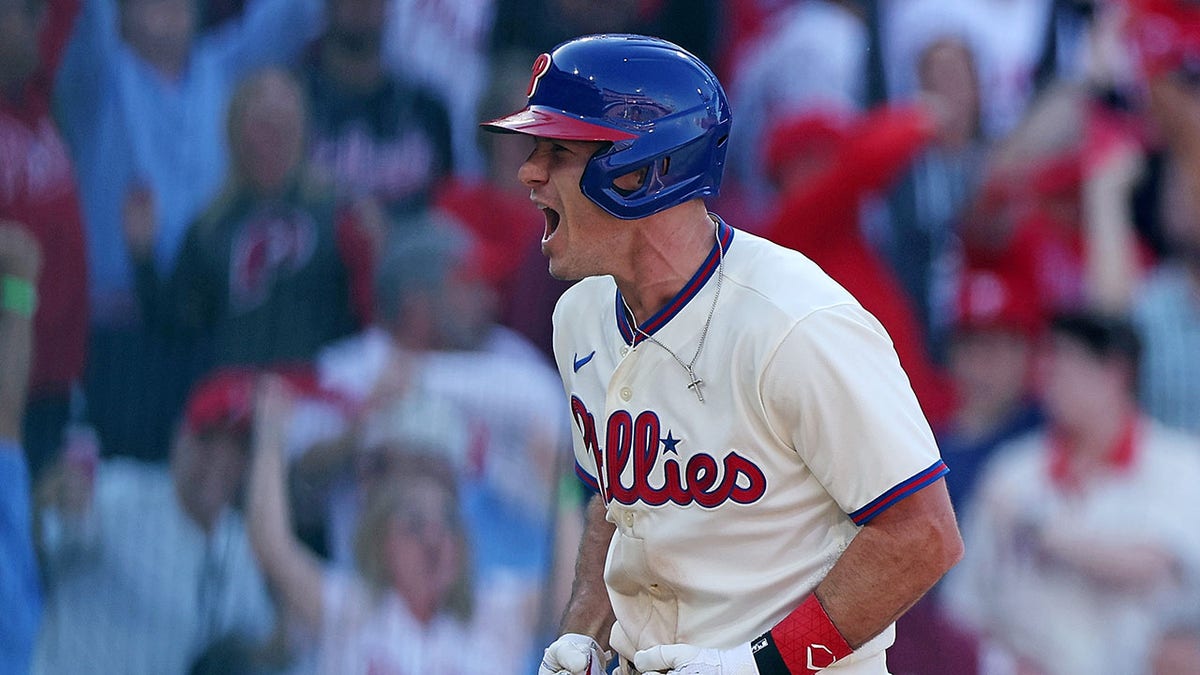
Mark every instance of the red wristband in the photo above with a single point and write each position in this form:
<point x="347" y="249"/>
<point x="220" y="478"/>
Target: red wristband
<point x="806" y="640"/>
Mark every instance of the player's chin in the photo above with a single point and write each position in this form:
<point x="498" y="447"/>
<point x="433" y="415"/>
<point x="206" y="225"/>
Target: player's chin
<point x="560" y="267"/>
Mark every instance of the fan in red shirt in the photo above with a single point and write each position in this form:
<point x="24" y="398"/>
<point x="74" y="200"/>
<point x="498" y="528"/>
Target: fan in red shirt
<point x="37" y="190"/>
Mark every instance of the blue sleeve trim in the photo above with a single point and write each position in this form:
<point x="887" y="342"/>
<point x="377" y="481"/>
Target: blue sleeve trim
<point x="900" y="491"/>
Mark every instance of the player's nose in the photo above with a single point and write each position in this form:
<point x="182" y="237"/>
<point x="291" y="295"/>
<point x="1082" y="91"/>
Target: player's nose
<point x="533" y="170"/>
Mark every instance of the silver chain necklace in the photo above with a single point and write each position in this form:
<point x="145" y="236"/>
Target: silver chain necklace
<point x="695" y="382"/>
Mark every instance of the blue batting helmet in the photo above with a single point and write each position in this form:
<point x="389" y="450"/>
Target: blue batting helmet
<point x="660" y="107"/>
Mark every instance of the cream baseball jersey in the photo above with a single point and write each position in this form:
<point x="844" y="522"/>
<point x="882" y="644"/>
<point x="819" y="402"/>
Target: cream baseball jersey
<point x="728" y="511"/>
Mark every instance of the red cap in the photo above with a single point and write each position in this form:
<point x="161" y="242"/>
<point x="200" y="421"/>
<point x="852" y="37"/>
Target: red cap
<point x="990" y="299"/>
<point x="222" y="401"/>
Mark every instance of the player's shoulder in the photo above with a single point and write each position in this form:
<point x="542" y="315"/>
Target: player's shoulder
<point x="583" y="296"/>
<point x="774" y="280"/>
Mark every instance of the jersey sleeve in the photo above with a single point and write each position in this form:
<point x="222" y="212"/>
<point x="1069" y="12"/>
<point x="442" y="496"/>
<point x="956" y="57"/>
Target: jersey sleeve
<point x="585" y="464"/>
<point x="835" y="392"/>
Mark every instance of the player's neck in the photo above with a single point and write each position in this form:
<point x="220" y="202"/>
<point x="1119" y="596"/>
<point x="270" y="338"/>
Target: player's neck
<point x="664" y="255"/>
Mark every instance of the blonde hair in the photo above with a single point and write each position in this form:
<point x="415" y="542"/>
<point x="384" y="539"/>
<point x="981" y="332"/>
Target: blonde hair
<point x="310" y="186"/>
<point x="384" y="504"/>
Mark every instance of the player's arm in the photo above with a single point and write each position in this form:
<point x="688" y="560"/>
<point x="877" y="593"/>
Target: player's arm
<point x="888" y="566"/>
<point x="874" y="453"/>
<point x="891" y="563"/>
<point x="583" y="648"/>
<point x="589" y="611"/>
<point x="835" y="393"/>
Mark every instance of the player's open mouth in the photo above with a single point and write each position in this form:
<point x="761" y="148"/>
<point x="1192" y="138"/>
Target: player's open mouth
<point x="552" y="219"/>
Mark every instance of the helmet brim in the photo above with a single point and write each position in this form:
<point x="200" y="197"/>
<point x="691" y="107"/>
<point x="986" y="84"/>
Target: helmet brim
<point x="537" y="121"/>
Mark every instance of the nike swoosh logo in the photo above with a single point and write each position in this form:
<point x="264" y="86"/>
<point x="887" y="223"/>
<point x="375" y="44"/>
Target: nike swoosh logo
<point x="579" y="363"/>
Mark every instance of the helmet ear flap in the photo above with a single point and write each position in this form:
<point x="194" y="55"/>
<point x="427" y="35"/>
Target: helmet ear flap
<point x="690" y="168"/>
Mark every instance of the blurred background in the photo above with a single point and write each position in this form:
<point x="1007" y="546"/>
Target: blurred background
<point x="276" y="389"/>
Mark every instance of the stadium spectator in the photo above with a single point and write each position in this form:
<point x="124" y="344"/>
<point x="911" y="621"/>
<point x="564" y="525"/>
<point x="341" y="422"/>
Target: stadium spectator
<point x="1006" y="36"/>
<point x="1075" y="546"/>
<point x="37" y="189"/>
<point x="1167" y="306"/>
<point x="372" y="133"/>
<point x="925" y="207"/>
<point x="766" y="87"/>
<point x="276" y="267"/>
<point x="1055" y="205"/>
<point x="20" y="591"/>
<point x="142" y="99"/>
<point x="436" y="333"/>
<point x="144" y="102"/>
<point x="990" y="356"/>
<point x="990" y="364"/>
<point x="146" y="564"/>
<point x="513" y="261"/>
<point x="408" y="604"/>
<point x="443" y="45"/>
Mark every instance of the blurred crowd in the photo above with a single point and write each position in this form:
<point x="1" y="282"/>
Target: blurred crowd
<point x="276" y="393"/>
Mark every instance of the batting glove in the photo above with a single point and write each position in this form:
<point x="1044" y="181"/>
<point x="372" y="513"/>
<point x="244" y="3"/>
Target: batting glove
<point x="691" y="660"/>
<point x="574" y="654"/>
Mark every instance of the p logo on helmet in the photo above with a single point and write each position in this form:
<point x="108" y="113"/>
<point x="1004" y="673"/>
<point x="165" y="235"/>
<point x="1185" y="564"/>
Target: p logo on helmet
<point x="541" y="65"/>
<point x="661" y="109"/>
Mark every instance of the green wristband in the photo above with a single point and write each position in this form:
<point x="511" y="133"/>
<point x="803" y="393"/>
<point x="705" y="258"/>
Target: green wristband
<point x="18" y="295"/>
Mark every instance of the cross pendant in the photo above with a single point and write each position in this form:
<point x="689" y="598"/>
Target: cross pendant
<point x="695" y="385"/>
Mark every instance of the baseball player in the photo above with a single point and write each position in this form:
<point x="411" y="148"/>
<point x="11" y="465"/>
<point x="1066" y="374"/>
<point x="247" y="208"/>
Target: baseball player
<point x="767" y="491"/>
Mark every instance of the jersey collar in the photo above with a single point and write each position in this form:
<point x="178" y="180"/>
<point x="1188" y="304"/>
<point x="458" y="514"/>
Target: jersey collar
<point x="708" y="269"/>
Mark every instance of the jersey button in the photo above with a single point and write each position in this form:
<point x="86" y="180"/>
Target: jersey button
<point x="624" y="351"/>
<point x="628" y="519"/>
<point x="626" y="394"/>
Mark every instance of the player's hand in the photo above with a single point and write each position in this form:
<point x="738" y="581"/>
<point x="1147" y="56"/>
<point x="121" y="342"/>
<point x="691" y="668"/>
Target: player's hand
<point x="574" y="654"/>
<point x="682" y="659"/>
